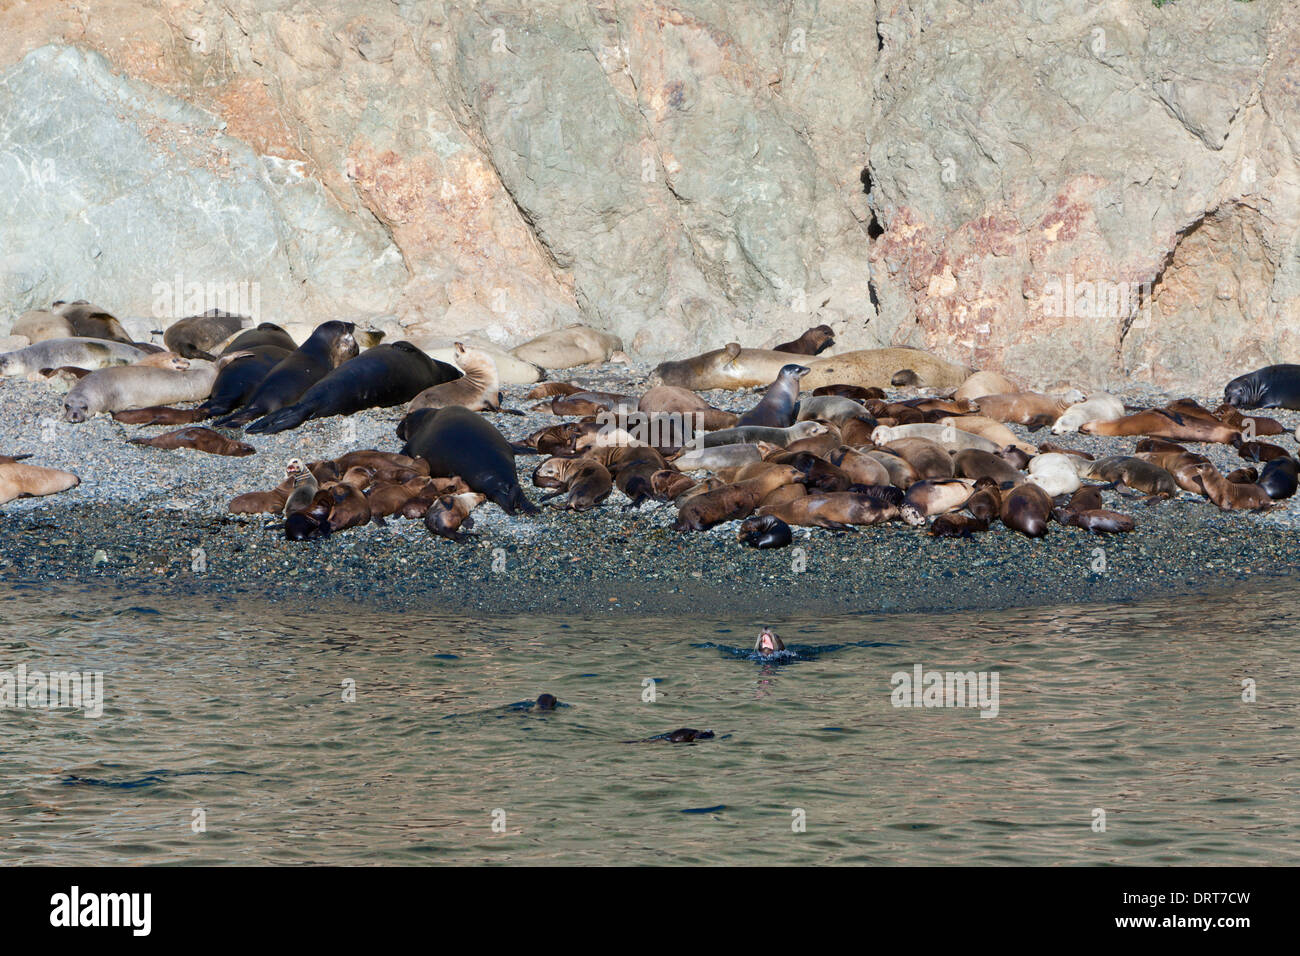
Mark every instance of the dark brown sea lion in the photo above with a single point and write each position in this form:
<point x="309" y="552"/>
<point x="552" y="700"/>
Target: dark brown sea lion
<point x="1230" y="496"/>
<point x="763" y="532"/>
<point x="388" y="497"/>
<point x="200" y="439"/>
<point x="928" y="459"/>
<point x="1248" y="476"/>
<point x="551" y="389"/>
<point x="1027" y="509"/>
<point x="736" y="500"/>
<point x="813" y="342"/>
<point x="841" y="511"/>
<point x="197" y="335"/>
<point x="856" y="392"/>
<point x="985" y="501"/>
<point x="258" y="502"/>
<point x="974" y="463"/>
<point x="1260" y="451"/>
<point x="1274" y="386"/>
<point x="957" y="526"/>
<point x="1279" y="478"/>
<point x="458" y="442"/>
<point x="160" y="415"/>
<point x="1098" y="520"/>
<point x="1255" y="424"/>
<point x="1049" y="448"/>
<point x="351" y="507"/>
<point x="1135" y="473"/>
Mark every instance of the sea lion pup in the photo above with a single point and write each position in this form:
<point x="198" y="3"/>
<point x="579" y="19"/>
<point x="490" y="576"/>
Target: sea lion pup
<point x="1027" y="509"/>
<point x="587" y="482"/>
<point x="768" y="643"/>
<point x="780" y="401"/>
<point x="669" y="485"/>
<point x="259" y="502"/>
<point x="121" y="388"/>
<point x="1279" y="478"/>
<point x="1134" y="473"/>
<point x="1162" y="423"/>
<point x="1260" y="425"/>
<point x="551" y="440"/>
<point x="1259" y="450"/>
<point x="589" y="403"/>
<point x="329" y="346"/>
<point x="160" y="415"/>
<point x="957" y="526"/>
<point x="197" y="336"/>
<point x="928" y="459"/>
<point x="1248" y="476"/>
<point x="200" y="439"/>
<point x="32" y="481"/>
<point x="380" y="461"/>
<point x="948" y="437"/>
<point x="841" y="510"/>
<point x="633" y="469"/>
<point x="551" y="389"/>
<point x="753" y="434"/>
<point x="936" y="497"/>
<point x="84" y="353"/>
<point x="1183" y="465"/>
<point x="855" y="392"/>
<point x="459" y="443"/>
<point x="478" y="389"/>
<point x="380" y="377"/>
<point x="1230" y="496"/>
<point x="985" y="383"/>
<point x="905" y="378"/>
<point x="1026" y="408"/>
<point x="861" y="468"/>
<point x="876" y="367"/>
<point x="720" y="457"/>
<point x="572" y="345"/>
<point x="1100" y="407"/>
<point x="901" y="472"/>
<point x="672" y="399"/>
<point x="834" y="409"/>
<point x="975" y="463"/>
<point x="737" y="500"/>
<point x="388" y="497"/>
<point x="813" y="342"/>
<point x="311" y="522"/>
<point x="1274" y="386"/>
<point x="819" y="445"/>
<point x="1096" y="520"/>
<point x="1054" y="473"/>
<point x="303" y="487"/>
<point x="985" y="501"/>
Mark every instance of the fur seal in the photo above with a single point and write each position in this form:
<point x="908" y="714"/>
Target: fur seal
<point x="197" y="336"/>
<point x="573" y="345"/>
<point x="813" y="342"/>
<point x="780" y="402"/>
<point x="380" y="377"/>
<point x="478" y="389"/>
<point x="200" y="439"/>
<point x="1100" y="407"/>
<point x="1259" y="451"/>
<point x="135" y="386"/>
<point x="459" y="443"/>
<point x="84" y="353"/>
<point x="1027" y="509"/>
<point x="1274" y="386"/>
<point x="764" y="532"/>
<point x="841" y="511"/>
<point x="329" y="346"/>
<point x="18" y="480"/>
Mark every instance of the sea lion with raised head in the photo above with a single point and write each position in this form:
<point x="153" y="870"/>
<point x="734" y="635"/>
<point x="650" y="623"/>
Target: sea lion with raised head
<point x="329" y="346"/>
<point x="458" y="442"/>
<point x="478" y="389"/>
<point x="780" y="402"/>
<point x="381" y="377"/>
<point x="768" y="643"/>
<point x="1230" y="496"/>
<point x="813" y="342"/>
<point x="303" y="486"/>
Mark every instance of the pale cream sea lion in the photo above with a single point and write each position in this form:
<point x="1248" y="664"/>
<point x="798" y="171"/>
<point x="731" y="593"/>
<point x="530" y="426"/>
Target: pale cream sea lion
<point x="21" y="481"/>
<point x="137" y="386"/>
<point x="568" y="347"/>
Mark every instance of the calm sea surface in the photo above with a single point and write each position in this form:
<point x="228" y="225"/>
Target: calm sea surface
<point x="231" y="719"/>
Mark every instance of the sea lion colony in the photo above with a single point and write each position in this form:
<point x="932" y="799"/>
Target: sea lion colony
<point x="824" y="446"/>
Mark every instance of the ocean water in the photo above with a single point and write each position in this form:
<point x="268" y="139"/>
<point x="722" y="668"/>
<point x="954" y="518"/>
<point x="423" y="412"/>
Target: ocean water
<point x="229" y="734"/>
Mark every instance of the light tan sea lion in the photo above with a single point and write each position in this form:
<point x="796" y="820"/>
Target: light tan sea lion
<point x="510" y="370"/>
<point x="985" y="383"/>
<point x="859" y="466"/>
<point x="672" y="399"/>
<point x="994" y="431"/>
<point x="22" y="481"/>
<point x="938" y="496"/>
<point x="136" y="386"/>
<point x="70" y="320"/>
<point x="1100" y="407"/>
<point x="568" y="347"/>
<point x="876" y="367"/>
<point x="1161" y="423"/>
<point x="1024" y="408"/>
<point x="842" y="510"/>
<point x="479" y="389"/>
<point x="730" y="367"/>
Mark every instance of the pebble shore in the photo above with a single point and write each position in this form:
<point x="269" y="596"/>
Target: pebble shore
<point x="155" y="522"/>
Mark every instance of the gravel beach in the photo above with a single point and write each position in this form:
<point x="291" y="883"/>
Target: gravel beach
<point x="156" y="522"/>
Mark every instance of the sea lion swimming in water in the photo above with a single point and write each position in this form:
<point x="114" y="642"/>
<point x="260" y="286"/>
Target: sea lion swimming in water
<point x="768" y="643"/>
<point x="780" y="402"/>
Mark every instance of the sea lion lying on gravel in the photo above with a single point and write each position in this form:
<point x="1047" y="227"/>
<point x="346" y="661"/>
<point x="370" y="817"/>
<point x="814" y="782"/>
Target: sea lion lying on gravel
<point x="18" y="480"/>
<point x="200" y="439"/>
<point x="196" y="336"/>
<point x="125" y="387"/>
<point x="77" y="352"/>
<point x="458" y="442"/>
<point x="329" y="346"/>
<point x="1274" y="386"/>
<point x="65" y="320"/>
<point x="754" y="434"/>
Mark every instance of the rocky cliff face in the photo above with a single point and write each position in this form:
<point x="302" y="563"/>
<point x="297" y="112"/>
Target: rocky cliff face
<point x="1094" y="192"/>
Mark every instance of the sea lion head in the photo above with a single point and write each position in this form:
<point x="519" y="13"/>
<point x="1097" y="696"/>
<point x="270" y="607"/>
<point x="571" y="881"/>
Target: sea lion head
<point x="911" y="514"/>
<point x="1243" y="391"/>
<point x="546" y="702"/>
<point x="768" y="643"/>
<point x="75" y="408"/>
<point x="905" y="377"/>
<point x="294" y="467"/>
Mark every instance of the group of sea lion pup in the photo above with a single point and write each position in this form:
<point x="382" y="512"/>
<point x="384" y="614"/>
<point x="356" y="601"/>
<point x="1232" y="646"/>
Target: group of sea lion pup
<point x="841" y="457"/>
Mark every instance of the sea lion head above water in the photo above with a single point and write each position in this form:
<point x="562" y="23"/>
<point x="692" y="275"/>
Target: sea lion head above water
<point x="768" y="643"/>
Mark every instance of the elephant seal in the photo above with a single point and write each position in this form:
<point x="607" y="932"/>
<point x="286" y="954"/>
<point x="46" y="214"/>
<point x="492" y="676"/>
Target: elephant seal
<point x="459" y="443"/>
<point x="239" y="380"/>
<point x="1230" y="496"/>
<point x="768" y="643"/>
<point x="380" y="377"/>
<point x="200" y="439"/>
<point x="813" y="342"/>
<point x="197" y="336"/>
<point x="753" y="434"/>
<point x="1027" y="509"/>
<point x="1101" y="407"/>
<point x="84" y="353"/>
<point x="135" y="386"/>
<point x="764" y="532"/>
<point x="1274" y="386"/>
<point x="478" y="389"/>
<point x="329" y="346"/>
<point x="985" y="383"/>
<point x="841" y="511"/>
<point x="32" y="481"/>
<point x="777" y="409"/>
<point x="876" y="367"/>
<point x="568" y="347"/>
<point x="1279" y="478"/>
